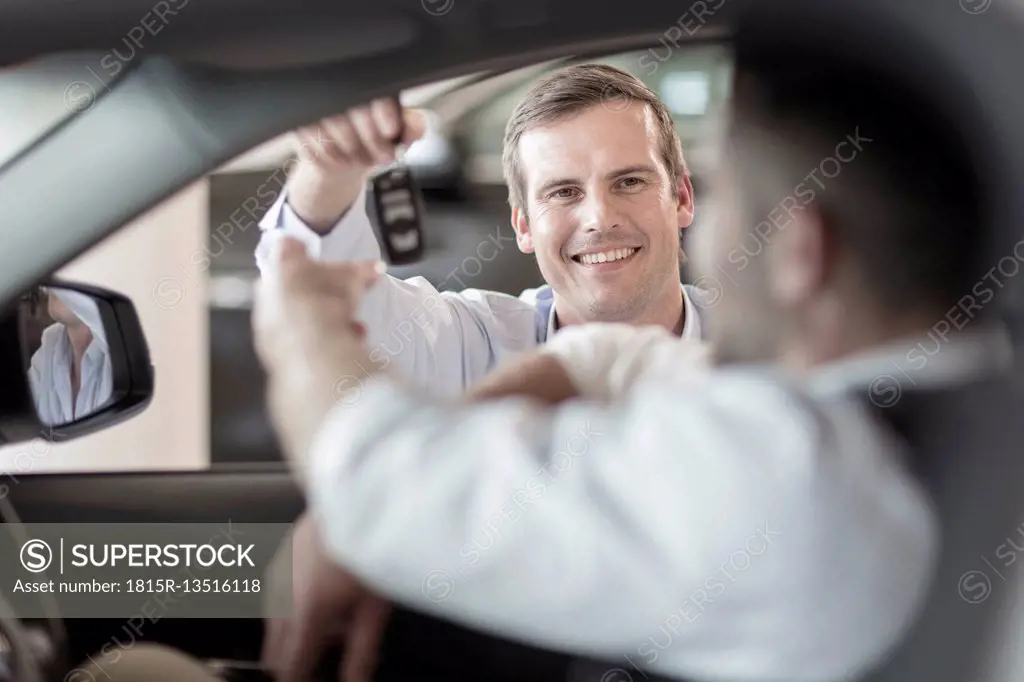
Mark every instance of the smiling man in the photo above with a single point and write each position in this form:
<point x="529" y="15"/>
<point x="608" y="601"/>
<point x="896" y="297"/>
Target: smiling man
<point x="599" y="194"/>
<point x="599" y="191"/>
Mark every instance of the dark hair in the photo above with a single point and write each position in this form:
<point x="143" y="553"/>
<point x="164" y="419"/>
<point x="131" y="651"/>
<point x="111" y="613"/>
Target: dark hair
<point x="909" y="206"/>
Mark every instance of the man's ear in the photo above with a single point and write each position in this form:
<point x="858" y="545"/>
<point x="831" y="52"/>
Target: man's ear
<point x="799" y="257"/>
<point x="684" y="203"/>
<point x="521" y="225"/>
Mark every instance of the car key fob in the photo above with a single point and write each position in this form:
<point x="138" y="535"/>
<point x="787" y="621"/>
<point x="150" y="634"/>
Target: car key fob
<point x="396" y="211"/>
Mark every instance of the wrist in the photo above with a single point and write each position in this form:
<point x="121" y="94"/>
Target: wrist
<point x="538" y="376"/>
<point x="320" y="196"/>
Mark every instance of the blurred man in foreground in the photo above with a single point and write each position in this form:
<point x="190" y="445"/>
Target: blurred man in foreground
<point x="686" y="471"/>
<point x="621" y="519"/>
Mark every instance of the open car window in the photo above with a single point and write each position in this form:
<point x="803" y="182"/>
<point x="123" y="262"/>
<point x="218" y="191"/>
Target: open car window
<point x="188" y="264"/>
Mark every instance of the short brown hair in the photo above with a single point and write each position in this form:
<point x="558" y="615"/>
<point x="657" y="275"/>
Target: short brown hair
<point x="570" y="91"/>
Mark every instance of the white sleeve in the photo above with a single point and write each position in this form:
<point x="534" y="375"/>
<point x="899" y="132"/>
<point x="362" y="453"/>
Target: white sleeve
<point x="38" y="387"/>
<point x="351" y="238"/>
<point x="444" y="341"/>
<point x="605" y="361"/>
<point x="724" y="518"/>
<point x="47" y="391"/>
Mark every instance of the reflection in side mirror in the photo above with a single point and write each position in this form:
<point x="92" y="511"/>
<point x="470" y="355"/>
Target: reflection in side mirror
<point x="69" y="362"/>
<point x="75" y="361"/>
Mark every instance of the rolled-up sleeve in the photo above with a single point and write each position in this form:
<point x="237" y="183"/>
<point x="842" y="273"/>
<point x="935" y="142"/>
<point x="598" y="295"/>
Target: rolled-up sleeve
<point x="590" y="529"/>
<point x="351" y="238"/>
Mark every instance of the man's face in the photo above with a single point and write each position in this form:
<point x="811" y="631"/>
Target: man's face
<point x="602" y="214"/>
<point x="734" y="266"/>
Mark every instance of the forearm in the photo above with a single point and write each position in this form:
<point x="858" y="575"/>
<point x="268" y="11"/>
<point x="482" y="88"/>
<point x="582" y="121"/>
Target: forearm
<point x="320" y="198"/>
<point x="611" y="526"/>
<point x="407" y="498"/>
<point x="301" y="396"/>
<point x="366" y="486"/>
<point x="335" y="157"/>
<point x="537" y="376"/>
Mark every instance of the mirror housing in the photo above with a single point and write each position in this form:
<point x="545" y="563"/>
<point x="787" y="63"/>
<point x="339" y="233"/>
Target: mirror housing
<point x="127" y="373"/>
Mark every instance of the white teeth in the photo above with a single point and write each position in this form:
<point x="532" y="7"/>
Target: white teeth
<point x="606" y="256"/>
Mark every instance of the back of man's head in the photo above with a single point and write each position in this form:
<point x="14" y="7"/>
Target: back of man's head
<point x="890" y="174"/>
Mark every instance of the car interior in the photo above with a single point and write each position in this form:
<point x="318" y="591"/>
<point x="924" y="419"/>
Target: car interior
<point x="223" y="78"/>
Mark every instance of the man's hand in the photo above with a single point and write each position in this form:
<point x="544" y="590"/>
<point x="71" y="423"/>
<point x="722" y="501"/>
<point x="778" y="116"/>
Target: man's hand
<point x="308" y="339"/>
<point x="595" y="361"/>
<point x="329" y="606"/>
<point x="336" y="154"/>
<point x="538" y="375"/>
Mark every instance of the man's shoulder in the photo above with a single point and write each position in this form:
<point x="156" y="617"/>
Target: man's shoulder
<point x="521" y="317"/>
<point x="537" y="301"/>
<point x="524" y="312"/>
<point x="51" y="344"/>
<point x="495" y="299"/>
<point x="537" y="295"/>
<point x="53" y="335"/>
<point x="749" y="391"/>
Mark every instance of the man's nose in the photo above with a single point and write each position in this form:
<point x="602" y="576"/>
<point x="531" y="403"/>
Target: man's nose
<point x="598" y="213"/>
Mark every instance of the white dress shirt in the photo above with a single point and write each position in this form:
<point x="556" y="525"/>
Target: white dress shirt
<point x="721" y="524"/>
<point x="444" y="341"/>
<point x="51" y="365"/>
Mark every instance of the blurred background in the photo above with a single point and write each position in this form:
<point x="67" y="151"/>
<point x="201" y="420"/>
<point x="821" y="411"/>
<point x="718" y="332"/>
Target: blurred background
<point x="188" y="264"/>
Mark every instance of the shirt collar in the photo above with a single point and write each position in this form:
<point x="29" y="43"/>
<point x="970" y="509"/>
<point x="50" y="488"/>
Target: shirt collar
<point x="919" y="361"/>
<point x="692" y="328"/>
<point x="691" y="325"/>
<point x="95" y="352"/>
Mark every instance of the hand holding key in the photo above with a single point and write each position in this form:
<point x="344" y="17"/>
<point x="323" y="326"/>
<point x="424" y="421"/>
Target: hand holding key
<point x="396" y="211"/>
<point x="362" y="137"/>
<point x="337" y="154"/>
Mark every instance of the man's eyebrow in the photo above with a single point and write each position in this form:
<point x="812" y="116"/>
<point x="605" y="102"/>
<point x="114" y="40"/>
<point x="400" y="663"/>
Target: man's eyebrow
<point x="631" y="170"/>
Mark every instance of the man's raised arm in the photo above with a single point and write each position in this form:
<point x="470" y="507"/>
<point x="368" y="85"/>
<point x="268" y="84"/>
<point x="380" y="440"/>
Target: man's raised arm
<point x="443" y="341"/>
<point x="720" y="518"/>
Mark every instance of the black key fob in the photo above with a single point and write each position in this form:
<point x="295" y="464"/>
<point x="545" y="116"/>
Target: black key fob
<point x="395" y="206"/>
<point x="396" y="210"/>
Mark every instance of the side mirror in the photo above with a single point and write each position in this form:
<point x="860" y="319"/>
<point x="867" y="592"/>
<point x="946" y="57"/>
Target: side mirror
<point x="73" y="361"/>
